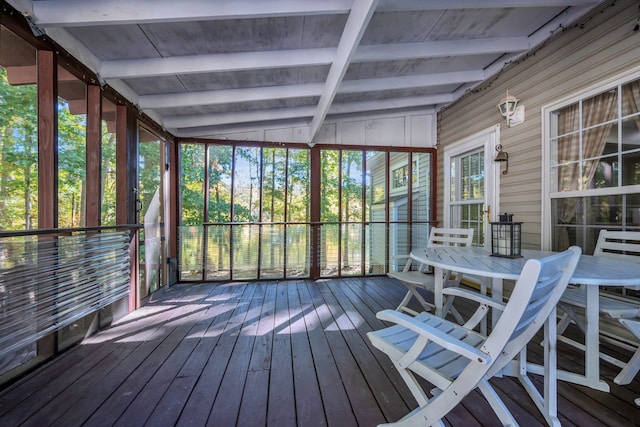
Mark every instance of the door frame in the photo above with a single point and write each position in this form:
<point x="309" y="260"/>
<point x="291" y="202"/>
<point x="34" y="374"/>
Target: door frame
<point x="487" y="139"/>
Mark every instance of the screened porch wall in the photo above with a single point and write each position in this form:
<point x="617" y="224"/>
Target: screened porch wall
<point x="247" y="214"/>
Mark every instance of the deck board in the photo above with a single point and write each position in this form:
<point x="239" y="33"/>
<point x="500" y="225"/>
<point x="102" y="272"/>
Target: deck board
<point x="272" y="353"/>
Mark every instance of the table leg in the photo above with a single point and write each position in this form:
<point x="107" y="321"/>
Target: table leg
<point x="592" y="339"/>
<point x="551" y="370"/>
<point x="496" y="293"/>
<point x="438" y="300"/>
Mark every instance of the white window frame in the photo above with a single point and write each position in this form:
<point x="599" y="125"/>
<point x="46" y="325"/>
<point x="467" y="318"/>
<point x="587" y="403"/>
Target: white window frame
<point x="547" y="182"/>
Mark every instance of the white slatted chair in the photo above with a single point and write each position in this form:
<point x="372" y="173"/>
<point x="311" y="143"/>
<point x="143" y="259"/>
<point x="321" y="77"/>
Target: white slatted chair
<point x="612" y="306"/>
<point x="414" y="280"/>
<point x="456" y="359"/>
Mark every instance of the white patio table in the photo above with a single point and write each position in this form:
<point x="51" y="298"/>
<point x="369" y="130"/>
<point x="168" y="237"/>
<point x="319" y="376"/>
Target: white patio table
<point x="591" y="271"/>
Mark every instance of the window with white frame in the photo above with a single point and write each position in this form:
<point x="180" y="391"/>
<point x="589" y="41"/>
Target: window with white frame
<point x="593" y="163"/>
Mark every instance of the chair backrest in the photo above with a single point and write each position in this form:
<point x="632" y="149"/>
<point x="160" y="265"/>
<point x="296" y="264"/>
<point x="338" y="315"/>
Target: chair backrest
<point x="537" y="291"/>
<point x="618" y="244"/>
<point x="450" y="236"/>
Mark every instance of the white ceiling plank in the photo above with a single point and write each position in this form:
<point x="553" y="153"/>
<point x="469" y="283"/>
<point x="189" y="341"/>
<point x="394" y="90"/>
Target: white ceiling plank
<point x="356" y="25"/>
<point x="70" y="13"/>
<point x="225" y="62"/>
<point x="400" y="51"/>
<point x="216" y="131"/>
<point x="244" y="117"/>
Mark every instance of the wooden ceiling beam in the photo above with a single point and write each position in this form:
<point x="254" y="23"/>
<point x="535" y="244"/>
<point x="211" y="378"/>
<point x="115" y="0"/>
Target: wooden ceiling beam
<point x="356" y="25"/>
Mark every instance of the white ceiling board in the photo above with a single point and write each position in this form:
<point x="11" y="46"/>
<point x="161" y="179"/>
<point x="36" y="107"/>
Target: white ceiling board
<point x="209" y="65"/>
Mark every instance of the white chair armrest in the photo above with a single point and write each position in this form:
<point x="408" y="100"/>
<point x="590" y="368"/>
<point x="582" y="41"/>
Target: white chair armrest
<point x="475" y="296"/>
<point x="442" y="339"/>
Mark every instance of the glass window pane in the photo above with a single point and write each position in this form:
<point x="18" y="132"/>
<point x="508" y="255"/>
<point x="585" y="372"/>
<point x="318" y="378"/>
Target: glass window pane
<point x="274" y="177"/>
<point x="220" y="170"/>
<point x="329" y="184"/>
<point x="72" y="149"/>
<point x="245" y="251"/>
<point x="567" y="119"/>
<point x="191" y="184"/>
<point x="351" y="186"/>
<point x="19" y="130"/>
<point x="218" y="260"/>
<point x="631" y="98"/>
<point x="272" y="251"/>
<point x="298" y="186"/>
<point x="108" y="170"/>
<point x="246" y="191"/>
<point x="600" y="108"/>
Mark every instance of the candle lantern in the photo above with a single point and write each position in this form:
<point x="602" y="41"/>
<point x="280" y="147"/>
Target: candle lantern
<point x="506" y="237"/>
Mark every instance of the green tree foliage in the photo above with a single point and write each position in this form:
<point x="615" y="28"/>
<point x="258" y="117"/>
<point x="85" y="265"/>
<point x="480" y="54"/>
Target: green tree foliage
<point x="108" y="184"/>
<point x="72" y="155"/>
<point x="192" y="184"/>
<point x="18" y="155"/>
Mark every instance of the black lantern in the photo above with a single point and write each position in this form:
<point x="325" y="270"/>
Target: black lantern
<point x="505" y="237"/>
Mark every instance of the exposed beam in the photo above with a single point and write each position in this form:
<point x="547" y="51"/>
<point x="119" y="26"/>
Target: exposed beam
<point x="215" y="63"/>
<point x="219" y="97"/>
<point x="228" y="62"/>
<point x="359" y="18"/>
<point x="243" y="117"/>
<point x="390" y="104"/>
<point x="213" y="131"/>
<point x="178" y="122"/>
<point x="436" y="49"/>
<point x="68" y="13"/>
<point x="409" y="82"/>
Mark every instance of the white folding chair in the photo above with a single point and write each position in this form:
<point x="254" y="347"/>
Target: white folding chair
<point x="420" y="278"/>
<point x="456" y="359"/>
<point x="612" y="306"/>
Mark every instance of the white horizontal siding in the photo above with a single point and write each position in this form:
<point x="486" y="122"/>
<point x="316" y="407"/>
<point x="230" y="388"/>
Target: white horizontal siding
<point x="573" y="60"/>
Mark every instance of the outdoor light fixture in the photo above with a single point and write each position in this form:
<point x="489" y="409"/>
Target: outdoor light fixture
<point x="510" y="110"/>
<point x="506" y="237"/>
<point x="502" y="156"/>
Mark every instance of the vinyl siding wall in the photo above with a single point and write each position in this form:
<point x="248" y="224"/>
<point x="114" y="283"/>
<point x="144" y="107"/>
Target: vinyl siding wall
<point x="598" y="48"/>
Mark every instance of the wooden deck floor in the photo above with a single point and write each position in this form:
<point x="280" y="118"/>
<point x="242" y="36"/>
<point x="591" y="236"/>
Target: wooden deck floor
<point x="263" y="354"/>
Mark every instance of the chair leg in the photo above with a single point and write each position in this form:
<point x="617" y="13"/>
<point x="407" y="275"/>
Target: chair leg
<point x="448" y="307"/>
<point x="411" y="293"/>
<point x="563" y="323"/>
<point x="497" y="404"/>
<point x="569" y="316"/>
<point x="630" y="370"/>
<point x="405" y="301"/>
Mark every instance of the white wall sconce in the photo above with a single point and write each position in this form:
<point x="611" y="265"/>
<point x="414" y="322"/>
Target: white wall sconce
<point x="502" y="156"/>
<point x="510" y="110"/>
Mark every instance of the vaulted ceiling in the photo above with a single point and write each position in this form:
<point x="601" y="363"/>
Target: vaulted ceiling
<point x="206" y="67"/>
